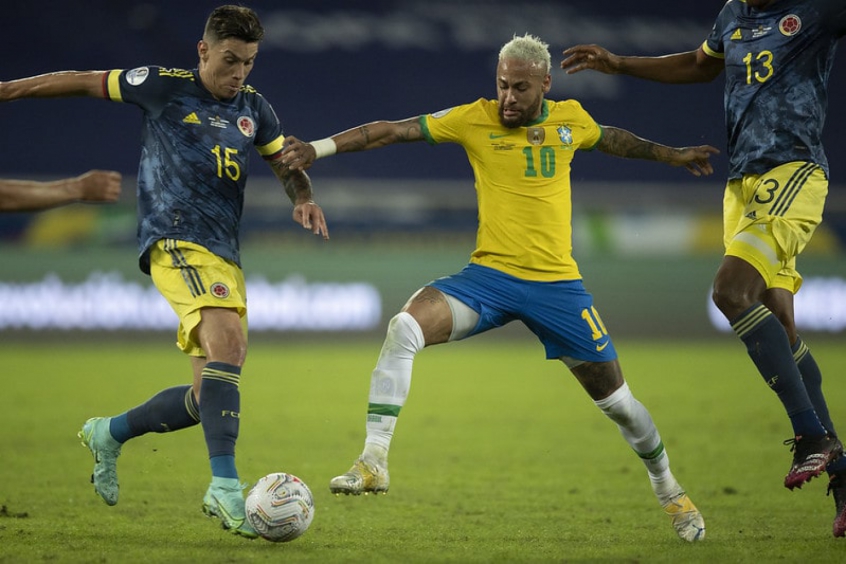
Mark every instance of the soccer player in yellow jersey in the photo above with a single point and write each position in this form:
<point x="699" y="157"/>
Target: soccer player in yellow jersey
<point x="95" y="186"/>
<point x="520" y="147"/>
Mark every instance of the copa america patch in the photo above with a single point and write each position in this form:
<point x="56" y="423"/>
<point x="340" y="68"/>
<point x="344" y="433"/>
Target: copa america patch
<point x="535" y="135"/>
<point x="790" y="25"/>
<point x="247" y="126"/>
<point x="137" y="76"/>
<point x="220" y="290"/>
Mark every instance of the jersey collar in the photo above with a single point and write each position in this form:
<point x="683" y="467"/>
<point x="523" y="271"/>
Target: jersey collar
<point x="543" y="115"/>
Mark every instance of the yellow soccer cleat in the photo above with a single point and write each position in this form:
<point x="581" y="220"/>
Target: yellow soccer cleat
<point x="364" y="477"/>
<point x="687" y="521"/>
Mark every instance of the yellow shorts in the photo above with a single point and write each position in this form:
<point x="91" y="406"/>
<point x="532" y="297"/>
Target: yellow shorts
<point x="769" y="218"/>
<point x="190" y="277"/>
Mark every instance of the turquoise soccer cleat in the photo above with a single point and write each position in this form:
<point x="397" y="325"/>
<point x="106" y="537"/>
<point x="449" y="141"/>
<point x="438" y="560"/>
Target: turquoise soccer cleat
<point x="95" y="435"/>
<point x="224" y="499"/>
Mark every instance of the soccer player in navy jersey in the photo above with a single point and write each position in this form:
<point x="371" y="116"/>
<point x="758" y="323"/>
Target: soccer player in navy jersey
<point x="95" y="186"/>
<point x="520" y="147"/>
<point x="198" y="130"/>
<point x="777" y="55"/>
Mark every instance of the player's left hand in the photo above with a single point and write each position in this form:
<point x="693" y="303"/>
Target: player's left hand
<point x="310" y="216"/>
<point x="297" y="155"/>
<point x="695" y="159"/>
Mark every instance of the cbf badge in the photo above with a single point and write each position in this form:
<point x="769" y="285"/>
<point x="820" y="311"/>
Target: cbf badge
<point x="565" y="134"/>
<point x="536" y="135"/>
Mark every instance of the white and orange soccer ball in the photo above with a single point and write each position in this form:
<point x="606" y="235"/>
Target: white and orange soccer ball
<point x="280" y="507"/>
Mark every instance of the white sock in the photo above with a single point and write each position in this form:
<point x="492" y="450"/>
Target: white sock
<point x="638" y="429"/>
<point x="390" y="383"/>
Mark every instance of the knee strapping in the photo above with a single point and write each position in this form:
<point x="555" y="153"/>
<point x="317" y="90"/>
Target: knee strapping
<point x="404" y="333"/>
<point x="619" y="406"/>
<point x="632" y="419"/>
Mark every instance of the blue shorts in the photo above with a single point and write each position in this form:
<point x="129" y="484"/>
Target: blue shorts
<point x="561" y="314"/>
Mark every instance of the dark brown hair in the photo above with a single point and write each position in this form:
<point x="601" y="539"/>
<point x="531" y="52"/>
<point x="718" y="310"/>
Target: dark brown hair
<point x="237" y="22"/>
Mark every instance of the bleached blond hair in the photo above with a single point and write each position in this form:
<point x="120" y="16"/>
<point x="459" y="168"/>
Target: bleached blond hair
<point x="528" y="48"/>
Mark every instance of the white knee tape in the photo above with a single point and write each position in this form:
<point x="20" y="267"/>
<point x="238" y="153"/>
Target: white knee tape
<point x="404" y="331"/>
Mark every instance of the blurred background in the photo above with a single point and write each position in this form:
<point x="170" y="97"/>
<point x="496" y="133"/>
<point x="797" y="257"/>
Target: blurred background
<point x="647" y="237"/>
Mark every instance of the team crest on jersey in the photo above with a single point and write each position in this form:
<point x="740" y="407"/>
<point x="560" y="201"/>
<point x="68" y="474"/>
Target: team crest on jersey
<point x="247" y="126"/>
<point x="535" y="135"/>
<point x="565" y="134"/>
<point x="137" y="76"/>
<point x="219" y="290"/>
<point x="790" y="25"/>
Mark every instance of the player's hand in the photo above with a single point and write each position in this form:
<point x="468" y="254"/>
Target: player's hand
<point x="297" y="155"/>
<point x="98" y="186"/>
<point x="593" y="57"/>
<point x="695" y="159"/>
<point x="310" y="216"/>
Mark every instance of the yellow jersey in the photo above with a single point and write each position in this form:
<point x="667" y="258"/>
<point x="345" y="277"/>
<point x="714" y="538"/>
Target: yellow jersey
<point x="522" y="183"/>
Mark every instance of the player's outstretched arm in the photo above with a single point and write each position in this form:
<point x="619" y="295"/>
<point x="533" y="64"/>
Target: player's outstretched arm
<point x="678" y="68"/>
<point x="95" y="186"/>
<point x="622" y="143"/>
<point x="300" y="155"/>
<point x="54" y="85"/>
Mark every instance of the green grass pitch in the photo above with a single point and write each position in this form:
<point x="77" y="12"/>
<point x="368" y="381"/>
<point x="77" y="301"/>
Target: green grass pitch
<point x="499" y="456"/>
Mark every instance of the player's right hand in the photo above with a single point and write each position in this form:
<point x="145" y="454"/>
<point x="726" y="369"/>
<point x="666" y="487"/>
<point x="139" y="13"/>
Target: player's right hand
<point x="593" y="57"/>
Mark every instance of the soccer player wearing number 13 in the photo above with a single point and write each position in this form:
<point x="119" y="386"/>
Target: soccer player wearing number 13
<point x="199" y="128"/>
<point x="520" y="147"/>
<point x="777" y="55"/>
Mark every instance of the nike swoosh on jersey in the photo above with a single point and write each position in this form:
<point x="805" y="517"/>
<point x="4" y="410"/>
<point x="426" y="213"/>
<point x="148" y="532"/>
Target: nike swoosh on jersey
<point x="497" y="135"/>
<point x="600" y="348"/>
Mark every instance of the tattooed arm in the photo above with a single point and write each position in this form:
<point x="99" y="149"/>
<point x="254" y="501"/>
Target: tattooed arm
<point x="378" y="134"/>
<point x="300" y="155"/>
<point x="297" y="186"/>
<point x="622" y="143"/>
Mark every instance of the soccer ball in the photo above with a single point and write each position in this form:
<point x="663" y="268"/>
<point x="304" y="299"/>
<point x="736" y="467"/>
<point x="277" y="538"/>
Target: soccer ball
<point x="280" y="507"/>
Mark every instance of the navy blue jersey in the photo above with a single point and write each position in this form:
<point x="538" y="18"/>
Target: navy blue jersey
<point x="777" y="65"/>
<point x="194" y="156"/>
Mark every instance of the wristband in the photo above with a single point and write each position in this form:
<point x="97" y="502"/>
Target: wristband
<point x="324" y="147"/>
